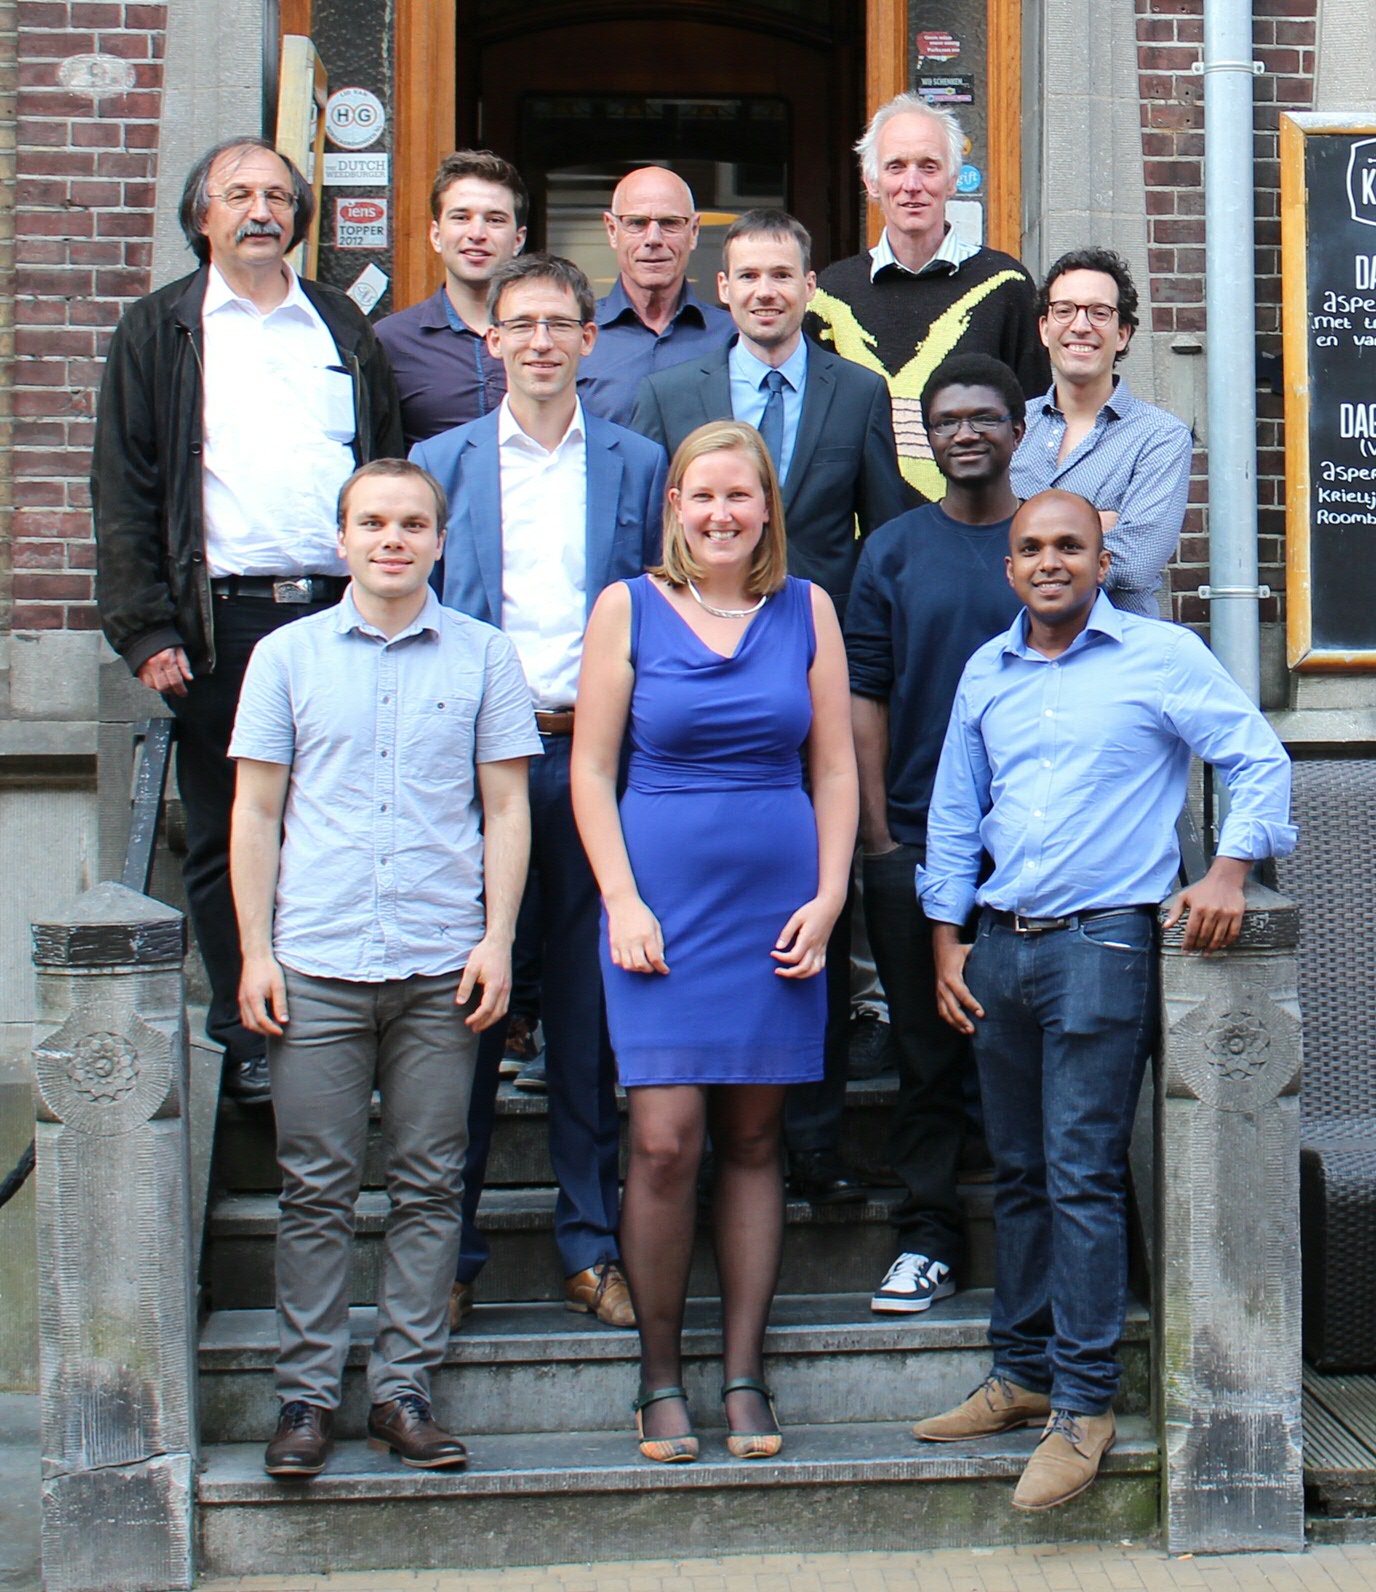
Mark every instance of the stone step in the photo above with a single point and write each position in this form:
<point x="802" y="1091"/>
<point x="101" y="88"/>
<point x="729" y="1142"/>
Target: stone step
<point x="245" y="1158"/>
<point x="538" y="1498"/>
<point x="827" y="1249"/>
<point x="539" y="1368"/>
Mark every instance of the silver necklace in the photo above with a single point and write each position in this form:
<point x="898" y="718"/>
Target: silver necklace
<point x="724" y="613"/>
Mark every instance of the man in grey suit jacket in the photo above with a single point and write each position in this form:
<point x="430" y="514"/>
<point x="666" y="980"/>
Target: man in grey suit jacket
<point x="828" y="425"/>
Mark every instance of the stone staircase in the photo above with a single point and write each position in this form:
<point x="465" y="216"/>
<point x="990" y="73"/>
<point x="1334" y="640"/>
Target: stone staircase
<point x="542" y="1398"/>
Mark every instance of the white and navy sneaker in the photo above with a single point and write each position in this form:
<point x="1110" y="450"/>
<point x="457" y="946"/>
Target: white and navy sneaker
<point x="912" y="1283"/>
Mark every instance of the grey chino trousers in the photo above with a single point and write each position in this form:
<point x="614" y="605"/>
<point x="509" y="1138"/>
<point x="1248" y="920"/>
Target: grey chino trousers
<point x="407" y="1038"/>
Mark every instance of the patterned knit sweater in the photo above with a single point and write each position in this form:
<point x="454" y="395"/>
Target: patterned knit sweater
<point x="903" y="326"/>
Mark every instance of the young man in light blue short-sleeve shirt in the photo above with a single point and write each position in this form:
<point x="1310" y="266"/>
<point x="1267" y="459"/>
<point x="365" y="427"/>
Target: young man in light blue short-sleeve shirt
<point x="380" y="838"/>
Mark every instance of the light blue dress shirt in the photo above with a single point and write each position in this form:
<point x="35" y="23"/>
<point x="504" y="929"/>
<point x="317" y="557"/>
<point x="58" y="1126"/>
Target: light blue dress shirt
<point x="748" y="396"/>
<point x="1134" y="461"/>
<point x="381" y="871"/>
<point x="1071" y="772"/>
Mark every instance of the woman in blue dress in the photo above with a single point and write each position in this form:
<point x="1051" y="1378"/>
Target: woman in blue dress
<point x="721" y="878"/>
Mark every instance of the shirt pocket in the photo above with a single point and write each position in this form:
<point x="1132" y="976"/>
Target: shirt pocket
<point x="438" y="739"/>
<point x="336" y="401"/>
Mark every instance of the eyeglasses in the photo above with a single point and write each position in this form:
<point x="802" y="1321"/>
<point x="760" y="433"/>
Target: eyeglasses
<point x="1064" y="311"/>
<point x="949" y="426"/>
<point x="669" y="226"/>
<point x="242" y="198"/>
<point x="562" y="328"/>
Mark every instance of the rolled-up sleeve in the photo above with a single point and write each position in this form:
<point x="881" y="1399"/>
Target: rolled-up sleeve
<point x="506" y="717"/>
<point x="264" y="723"/>
<point x="1210" y="713"/>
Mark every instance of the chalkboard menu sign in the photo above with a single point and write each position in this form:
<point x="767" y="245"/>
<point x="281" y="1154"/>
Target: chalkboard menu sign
<point x="1328" y="242"/>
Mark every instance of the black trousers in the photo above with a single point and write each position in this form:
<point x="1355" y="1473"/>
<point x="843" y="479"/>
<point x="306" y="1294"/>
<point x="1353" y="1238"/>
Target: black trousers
<point x="205" y="778"/>
<point x="812" y="1111"/>
<point x="935" y="1063"/>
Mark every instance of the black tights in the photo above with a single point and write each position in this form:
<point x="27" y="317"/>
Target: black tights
<point x="669" y="1126"/>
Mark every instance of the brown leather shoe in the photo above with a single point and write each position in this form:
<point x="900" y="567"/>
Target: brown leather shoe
<point x="301" y="1443"/>
<point x="996" y="1405"/>
<point x="601" y="1291"/>
<point x="1066" y="1460"/>
<point x="405" y="1427"/>
<point x="460" y="1304"/>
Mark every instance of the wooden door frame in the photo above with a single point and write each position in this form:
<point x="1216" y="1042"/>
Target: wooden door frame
<point x="426" y="43"/>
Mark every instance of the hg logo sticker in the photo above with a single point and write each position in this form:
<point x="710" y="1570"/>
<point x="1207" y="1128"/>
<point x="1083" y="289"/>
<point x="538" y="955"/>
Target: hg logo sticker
<point x="1361" y="181"/>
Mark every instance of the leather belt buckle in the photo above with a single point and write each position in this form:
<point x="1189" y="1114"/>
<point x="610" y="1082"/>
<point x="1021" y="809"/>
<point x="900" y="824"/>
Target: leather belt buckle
<point x="292" y="591"/>
<point x="1022" y="925"/>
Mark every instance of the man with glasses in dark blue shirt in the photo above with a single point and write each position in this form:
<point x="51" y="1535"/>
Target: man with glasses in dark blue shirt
<point x="446" y="374"/>
<point x="929" y="590"/>
<point x="651" y="319"/>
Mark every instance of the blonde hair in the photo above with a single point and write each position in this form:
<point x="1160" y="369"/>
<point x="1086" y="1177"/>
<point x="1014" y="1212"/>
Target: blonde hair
<point x="769" y="564"/>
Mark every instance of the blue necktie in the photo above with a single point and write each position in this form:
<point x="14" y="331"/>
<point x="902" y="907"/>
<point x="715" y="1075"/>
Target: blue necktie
<point x="772" y="420"/>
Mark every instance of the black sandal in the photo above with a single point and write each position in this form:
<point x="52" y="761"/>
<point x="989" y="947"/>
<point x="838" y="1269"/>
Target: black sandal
<point x="753" y="1445"/>
<point x="665" y="1450"/>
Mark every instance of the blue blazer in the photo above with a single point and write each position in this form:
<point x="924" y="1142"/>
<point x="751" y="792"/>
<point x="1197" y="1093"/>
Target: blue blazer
<point x="844" y="467"/>
<point x="626" y="475"/>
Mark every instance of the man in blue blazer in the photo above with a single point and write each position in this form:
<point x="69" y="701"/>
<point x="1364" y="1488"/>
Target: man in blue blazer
<point x="548" y="505"/>
<point x="828" y="425"/>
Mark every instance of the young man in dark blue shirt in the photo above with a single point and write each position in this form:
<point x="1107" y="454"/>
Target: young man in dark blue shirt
<point x="929" y="590"/>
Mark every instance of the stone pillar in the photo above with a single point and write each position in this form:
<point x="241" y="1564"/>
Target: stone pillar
<point x="116" y="1315"/>
<point x="1226" y="1306"/>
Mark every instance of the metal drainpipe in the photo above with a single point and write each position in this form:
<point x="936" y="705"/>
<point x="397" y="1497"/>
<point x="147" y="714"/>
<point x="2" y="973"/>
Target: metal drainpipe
<point x="1230" y="299"/>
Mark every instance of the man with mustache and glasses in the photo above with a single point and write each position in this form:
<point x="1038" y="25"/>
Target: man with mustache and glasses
<point x="235" y="404"/>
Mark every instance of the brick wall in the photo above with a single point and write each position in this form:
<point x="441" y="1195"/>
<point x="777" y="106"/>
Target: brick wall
<point x="84" y="205"/>
<point x="9" y="73"/>
<point x="1170" y="38"/>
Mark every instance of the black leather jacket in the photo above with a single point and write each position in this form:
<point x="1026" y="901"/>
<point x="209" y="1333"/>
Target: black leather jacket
<point x="152" y="578"/>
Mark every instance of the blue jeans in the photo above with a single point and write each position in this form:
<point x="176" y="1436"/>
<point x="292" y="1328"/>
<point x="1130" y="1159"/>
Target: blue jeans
<point x="1070" y="1019"/>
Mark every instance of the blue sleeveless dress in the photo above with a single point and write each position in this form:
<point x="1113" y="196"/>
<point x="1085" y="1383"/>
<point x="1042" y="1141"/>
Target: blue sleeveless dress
<point x="723" y="844"/>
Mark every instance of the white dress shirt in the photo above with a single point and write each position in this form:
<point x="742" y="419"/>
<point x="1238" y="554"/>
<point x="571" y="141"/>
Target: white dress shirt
<point x="279" y="421"/>
<point x="544" y="555"/>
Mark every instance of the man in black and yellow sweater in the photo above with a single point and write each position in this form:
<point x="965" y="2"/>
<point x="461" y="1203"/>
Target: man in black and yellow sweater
<point x="921" y="294"/>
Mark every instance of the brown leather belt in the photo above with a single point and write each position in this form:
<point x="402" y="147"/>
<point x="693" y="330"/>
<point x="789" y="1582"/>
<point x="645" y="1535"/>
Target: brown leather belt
<point x="1022" y="925"/>
<point x="560" y="722"/>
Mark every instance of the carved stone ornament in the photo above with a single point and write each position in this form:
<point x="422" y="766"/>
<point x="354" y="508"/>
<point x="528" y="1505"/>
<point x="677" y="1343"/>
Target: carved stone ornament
<point x="1237" y="1050"/>
<point x="104" y="1072"/>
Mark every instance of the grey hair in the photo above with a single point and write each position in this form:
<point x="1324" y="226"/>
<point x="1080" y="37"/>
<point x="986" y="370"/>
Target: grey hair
<point x="195" y="200"/>
<point x="867" y="146"/>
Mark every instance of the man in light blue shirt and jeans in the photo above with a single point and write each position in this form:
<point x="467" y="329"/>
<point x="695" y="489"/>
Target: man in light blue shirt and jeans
<point x="378" y="851"/>
<point x="1066" y="760"/>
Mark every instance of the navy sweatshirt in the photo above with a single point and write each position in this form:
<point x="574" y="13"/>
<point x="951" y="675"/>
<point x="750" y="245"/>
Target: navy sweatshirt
<point x="928" y="592"/>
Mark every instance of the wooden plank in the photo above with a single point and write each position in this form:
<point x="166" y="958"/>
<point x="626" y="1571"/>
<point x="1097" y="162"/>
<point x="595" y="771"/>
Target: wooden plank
<point x="1329" y="1448"/>
<point x="886" y="72"/>
<point x="1004" y="77"/>
<point x="424" y="111"/>
<point x="302" y="90"/>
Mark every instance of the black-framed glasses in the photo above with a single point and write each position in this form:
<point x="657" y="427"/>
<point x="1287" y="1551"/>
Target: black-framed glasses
<point x="1064" y="311"/>
<point x="950" y="425"/>
<point x="238" y="198"/>
<point x="521" y="328"/>
<point x="669" y="226"/>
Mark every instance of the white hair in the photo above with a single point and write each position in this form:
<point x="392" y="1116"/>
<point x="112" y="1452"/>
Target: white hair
<point x="867" y="146"/>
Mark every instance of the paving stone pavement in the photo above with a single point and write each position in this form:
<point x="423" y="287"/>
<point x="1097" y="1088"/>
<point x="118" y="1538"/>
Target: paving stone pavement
<point x="1088" y="1568"/>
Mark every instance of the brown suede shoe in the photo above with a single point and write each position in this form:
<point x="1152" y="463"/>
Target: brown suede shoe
<point x="996" y="1405"/>
<point x="460" y="1304"/>
<point x="1066" y="1460"/>
<point x="301" y="1443"/>
<point x="405" y="1427"/>
<point x="601" y="1291"/>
